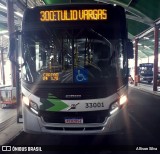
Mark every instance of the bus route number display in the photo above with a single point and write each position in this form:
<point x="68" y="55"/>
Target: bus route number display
<point x="73" y="15"/>
<point x="50" y="76"/>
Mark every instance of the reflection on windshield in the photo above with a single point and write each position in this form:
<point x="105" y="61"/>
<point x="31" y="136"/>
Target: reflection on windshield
<point x="146" y="71"/>
<point x="68" y="56"/>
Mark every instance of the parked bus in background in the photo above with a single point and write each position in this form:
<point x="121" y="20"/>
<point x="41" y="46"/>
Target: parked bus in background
<point x="146" y="72"/>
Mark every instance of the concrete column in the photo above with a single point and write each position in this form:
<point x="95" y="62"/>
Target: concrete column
<point x="2" y="67"/>
<point x="11" y="29"/>
<point x="136" y="62"/>
<point x="155" y="72"/>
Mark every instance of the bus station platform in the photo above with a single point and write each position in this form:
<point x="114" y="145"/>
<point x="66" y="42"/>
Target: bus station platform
<point x="146" y="88"/>
<point x="9" y="128"/>
<point x="8" y="115"/>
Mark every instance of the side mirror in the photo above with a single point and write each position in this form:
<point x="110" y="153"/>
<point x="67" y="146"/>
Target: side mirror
<point x="129" y="49"/>
<point x="12" y="51"/>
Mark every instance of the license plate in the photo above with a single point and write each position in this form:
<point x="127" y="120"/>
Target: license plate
<point x="74" y="120"/>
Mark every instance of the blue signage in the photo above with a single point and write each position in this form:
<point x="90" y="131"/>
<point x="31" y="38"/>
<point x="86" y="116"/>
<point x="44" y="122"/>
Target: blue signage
<point x="80" y="75"/>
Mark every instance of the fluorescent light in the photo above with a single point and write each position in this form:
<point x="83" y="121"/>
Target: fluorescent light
<point x="6" y="36"/>
<point x="146" y="47"/>
<point x="19" y="14"/>
<point x="3" y="7"/>
<point x="3" y="31"/>
<point x="146" y="38"/>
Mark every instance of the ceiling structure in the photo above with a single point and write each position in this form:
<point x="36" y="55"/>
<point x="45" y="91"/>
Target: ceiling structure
<point x="19" y="7"/>
<point x="141" y="16"/>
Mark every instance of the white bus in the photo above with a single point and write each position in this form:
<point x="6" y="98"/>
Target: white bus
<point x="75" y="68"/>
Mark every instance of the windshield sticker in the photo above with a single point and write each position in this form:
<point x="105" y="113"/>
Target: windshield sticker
<point x="73" y="106"/>
<point x="80" y="75"/>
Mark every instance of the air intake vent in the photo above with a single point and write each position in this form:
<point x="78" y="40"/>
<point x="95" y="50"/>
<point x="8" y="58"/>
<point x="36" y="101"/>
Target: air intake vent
<point x="74" y="128"/>
<point x="88" y="117"/>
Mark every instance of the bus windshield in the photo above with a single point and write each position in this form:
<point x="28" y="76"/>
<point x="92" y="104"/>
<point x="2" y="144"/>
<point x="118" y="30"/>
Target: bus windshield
<point x="71" y="56"/>
<point x="146" y="69"/>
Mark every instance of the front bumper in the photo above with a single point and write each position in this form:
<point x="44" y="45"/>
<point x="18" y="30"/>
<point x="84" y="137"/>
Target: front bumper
<point x="37" y="124"/>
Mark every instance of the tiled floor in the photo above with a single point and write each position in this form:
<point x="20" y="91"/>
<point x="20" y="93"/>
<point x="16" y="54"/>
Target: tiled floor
<point x="7" y="113"/>
<point x="8" y="126"/>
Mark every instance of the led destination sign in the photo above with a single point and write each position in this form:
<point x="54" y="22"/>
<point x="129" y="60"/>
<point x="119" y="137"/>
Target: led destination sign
<point x="50" y="76"/>
<point x="73" y="15"/>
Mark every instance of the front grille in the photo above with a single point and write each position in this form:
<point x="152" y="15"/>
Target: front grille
<point x="88" y="117"/>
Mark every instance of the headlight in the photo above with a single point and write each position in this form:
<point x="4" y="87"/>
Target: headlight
<point x="114" y="107"/>
<point x="34" y="107"/>
<point x="31" y="105"/>
<point x="117" y="105"/>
